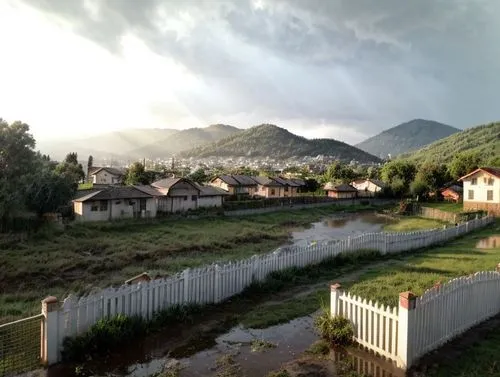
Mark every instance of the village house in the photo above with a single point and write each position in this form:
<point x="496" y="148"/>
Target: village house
<point x="452" y="193"/>
<point x="235" y="184"/>
<point x="343" y="191"/>
<point x="114" y="203"/>
<point x="482" y="190"/>
<point x="211" y="196"/>
<point x="268" y="187"/>
<point x="106" y="176"/>
<point x="175" y="194"/>
<point x="368" y="187"/>
<point x="291" y="187"/>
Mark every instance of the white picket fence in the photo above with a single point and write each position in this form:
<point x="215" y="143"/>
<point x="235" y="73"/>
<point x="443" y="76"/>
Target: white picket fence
<point x="420" y="324"/>
<point x="216" y="283"/>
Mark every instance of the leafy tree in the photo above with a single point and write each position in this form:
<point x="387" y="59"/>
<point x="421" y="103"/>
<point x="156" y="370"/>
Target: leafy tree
<point x="48" y="192"/>
<point x="398" y="175"/>
<point x="198" y="176"/>
<point x="70" y="169"/>
<point x="245" y="170"/>
<point x="464" y="163"/>
<point x="90" y="165"/>
<point x="430" y="177"/>
<point x="494" y="162"/>
<point x="373" y="172"/>
<point x="339" y="173"/>
<point x="136" y="175"/>
<point x="312" y="185"/>
<point x="17" y="164"/>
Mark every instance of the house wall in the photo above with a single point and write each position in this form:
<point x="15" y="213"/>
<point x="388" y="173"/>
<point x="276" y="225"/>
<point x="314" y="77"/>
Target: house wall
<point x="104" y="177"/>
<point x="210" y="201"/>
<point x="341" y="195"/>
<point x="116" y="209"/>
<point x="480" y="190"/>
<point x="223" y="185"/>
<point x="366" y="188"/>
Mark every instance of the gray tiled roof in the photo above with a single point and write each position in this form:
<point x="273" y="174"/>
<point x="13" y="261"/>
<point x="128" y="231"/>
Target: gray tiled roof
<point x="116" y="192"/>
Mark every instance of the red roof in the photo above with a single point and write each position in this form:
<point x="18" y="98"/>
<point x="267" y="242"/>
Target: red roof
<point x="492" y="171"/>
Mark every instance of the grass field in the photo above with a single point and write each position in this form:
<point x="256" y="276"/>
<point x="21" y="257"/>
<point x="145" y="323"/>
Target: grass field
<point x="445" y="206"/>
<point x="418" y="272"/>
<point x="412" y="223"/>
<point x="103" y="254"/>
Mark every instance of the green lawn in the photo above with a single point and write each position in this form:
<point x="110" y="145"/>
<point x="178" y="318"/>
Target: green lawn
<point x="418" y="272"/>
<point x="412" y="223"/>
<point x="445" y="206"/>
<point x="103" y="254"/>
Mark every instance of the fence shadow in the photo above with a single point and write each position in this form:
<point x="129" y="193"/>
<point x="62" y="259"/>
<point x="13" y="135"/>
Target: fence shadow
<point x="367" y="363"/>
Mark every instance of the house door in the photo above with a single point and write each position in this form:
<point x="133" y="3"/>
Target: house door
<point x="142" y="205"/>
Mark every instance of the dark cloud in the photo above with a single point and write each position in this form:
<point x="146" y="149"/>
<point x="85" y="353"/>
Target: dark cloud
<point x="367" y="64"/>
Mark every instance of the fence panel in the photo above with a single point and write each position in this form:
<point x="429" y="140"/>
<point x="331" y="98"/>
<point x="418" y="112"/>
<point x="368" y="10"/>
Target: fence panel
<point x="20" y="345"/>
<point x="450" y="309"/>
<point x="375" y="326"/>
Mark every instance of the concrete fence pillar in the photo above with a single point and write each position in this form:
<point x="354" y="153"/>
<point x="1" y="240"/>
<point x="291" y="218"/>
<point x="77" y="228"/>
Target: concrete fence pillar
<point x="336" y="292"/>
<point x="498" y="267"/>
<point x="406" y="330"/>
<point x="49" y="352"/>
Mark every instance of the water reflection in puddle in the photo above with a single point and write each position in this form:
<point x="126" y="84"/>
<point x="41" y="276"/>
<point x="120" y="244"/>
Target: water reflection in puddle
<point x="489" y="243"/>
<point x="340" y="226"/>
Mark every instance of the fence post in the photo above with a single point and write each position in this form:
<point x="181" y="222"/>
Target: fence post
<point x="185" y="276"/>
<point x="406" y="322"/>
<point x="49" y="352"/>
<point x="498" y="267"/>
<point x="336" y="291"/>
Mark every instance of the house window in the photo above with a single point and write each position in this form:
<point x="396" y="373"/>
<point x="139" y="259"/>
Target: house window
<point x="142" y="205"/>
<point x="193" y="198"/>
<point x="286" y="188"/>
<point x="474" y="181"/>
<point x="94" y="207"/>
<point x="185" y="198"/>
<point x="103" y="205"/>
<point x="489" y="195"/>
<point x="273" y="192"/>
<point x="491" y="181"/>
<point x="471" y="195"/>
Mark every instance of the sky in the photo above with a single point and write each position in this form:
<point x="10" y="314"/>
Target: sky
<point x="345" y="69"/>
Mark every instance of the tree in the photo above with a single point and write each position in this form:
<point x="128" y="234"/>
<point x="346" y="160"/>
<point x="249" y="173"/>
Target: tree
<point x="137" y="175"/>
<point x="198" y="176"/>
<point x="17" y="165"/>
<point x="398" y="175"/>
<point x="373" y="172"/>
<point x="90" y="165"/>
<point x="464" y="163"/>
<point x="430" y="178"/>
<point x="339" y="173"/>
<point x="70" y="169"/>
<point x="48" y="192"/>
<point x="312" y="185"/>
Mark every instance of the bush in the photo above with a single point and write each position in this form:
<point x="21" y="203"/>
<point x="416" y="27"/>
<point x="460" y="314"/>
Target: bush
<point x="336" y="330"/>
<point x="318" y="348"/>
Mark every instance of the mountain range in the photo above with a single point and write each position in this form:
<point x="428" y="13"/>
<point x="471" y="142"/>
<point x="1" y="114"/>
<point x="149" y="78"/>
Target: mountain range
<point x="406" y="137"/>
<point x="270" y="140"/>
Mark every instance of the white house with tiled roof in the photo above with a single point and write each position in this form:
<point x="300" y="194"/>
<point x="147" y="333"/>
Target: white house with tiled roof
<point x="482" y="190"/>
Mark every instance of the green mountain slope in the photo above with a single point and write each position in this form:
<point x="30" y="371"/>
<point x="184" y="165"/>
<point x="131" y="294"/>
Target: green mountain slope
<point x="406" y="137"/>
<point x="484" y="140"/>
<point x="184" y="140"/>
<point x="270" y="140"/>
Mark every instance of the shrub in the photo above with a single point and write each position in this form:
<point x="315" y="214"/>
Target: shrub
<point x="279" y="373"/>
<point x="320" y="347"/>
<point x="335" y="330"/>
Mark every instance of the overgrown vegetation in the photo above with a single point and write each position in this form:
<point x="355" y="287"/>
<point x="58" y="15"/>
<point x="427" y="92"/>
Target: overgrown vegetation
<point x="226" y="366"/>
<point x="56" y="262"/>
<point x="412" y="223"/>
<point x="260" y="345"/>
<point x="319" y="348"/>
<point x="107" y="335"/>
<point x="336" y="330"/>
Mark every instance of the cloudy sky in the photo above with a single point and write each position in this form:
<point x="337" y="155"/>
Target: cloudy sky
<point x="345" y="69"/>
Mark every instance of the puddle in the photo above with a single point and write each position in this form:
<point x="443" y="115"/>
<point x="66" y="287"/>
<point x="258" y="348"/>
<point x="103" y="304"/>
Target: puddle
<point x="341" y="226"/>
<point x="491" y="242"/>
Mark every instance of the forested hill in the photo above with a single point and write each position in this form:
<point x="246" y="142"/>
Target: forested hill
<point x="270" y="140"/>
<point x="406" y="137"/>
<point x="484" y="140"/>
